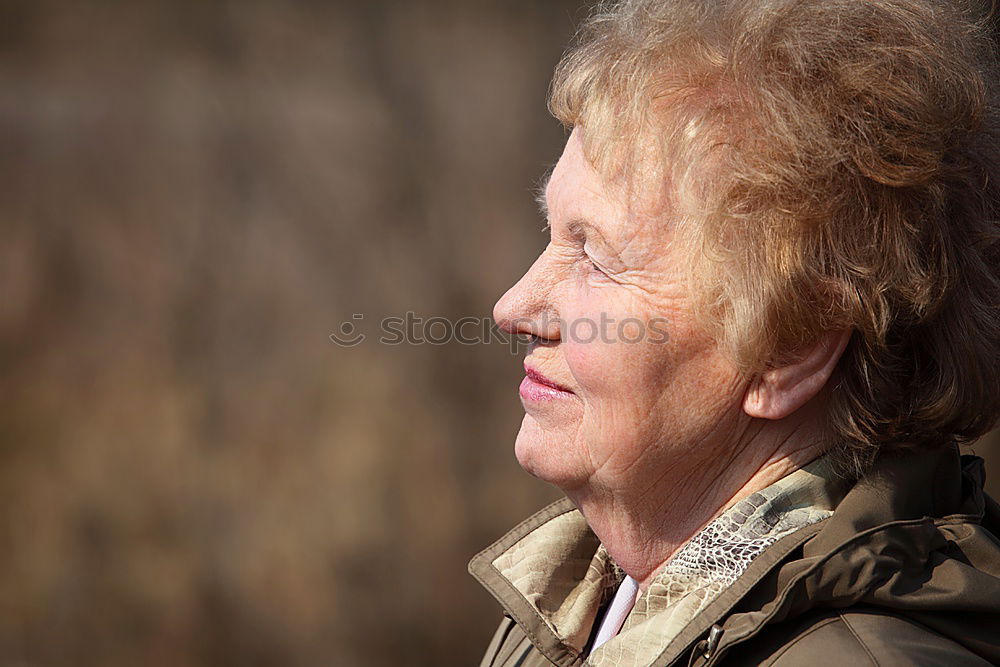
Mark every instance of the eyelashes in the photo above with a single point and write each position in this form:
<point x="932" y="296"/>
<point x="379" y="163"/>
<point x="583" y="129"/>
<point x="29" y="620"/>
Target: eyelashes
<point x="578" y="257"/>
<point x="592" y="265"/>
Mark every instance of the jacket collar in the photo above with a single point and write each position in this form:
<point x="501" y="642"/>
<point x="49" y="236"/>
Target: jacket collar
<point x="552" y="552"/>
<point x="551" y="574"/>
<point x="888" y="534"/>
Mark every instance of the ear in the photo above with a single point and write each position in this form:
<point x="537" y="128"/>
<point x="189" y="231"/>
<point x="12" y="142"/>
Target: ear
<point x="778" y="392"/>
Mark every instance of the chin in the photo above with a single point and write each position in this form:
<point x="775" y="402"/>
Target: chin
<point x="540" y="454"/>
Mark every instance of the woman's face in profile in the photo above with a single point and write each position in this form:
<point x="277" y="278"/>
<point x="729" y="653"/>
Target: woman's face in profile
<point x="636" y="384"/>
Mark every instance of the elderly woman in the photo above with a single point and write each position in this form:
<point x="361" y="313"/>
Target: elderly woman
<point x="779" y="218"/>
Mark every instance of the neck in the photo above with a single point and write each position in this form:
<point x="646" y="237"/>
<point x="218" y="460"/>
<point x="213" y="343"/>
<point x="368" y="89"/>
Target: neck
<point x="643" y="530"/>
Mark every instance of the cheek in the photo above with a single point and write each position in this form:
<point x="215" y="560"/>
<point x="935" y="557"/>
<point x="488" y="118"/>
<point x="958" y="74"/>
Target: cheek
<point x="644" y="362"/>
<point x="616" y="346"/>
<point x="621" y="378"/>
<point x="621" y="385"/>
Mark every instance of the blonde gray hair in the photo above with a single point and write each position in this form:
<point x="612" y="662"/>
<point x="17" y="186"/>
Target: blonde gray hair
<point x="841" y="162"/>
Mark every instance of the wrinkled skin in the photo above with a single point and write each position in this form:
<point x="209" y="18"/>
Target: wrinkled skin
<point x="636" y="406"/>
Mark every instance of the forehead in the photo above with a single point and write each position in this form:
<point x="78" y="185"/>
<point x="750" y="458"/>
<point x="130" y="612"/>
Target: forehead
<point x="574" y="183"/>
<point x="620" y="207"/>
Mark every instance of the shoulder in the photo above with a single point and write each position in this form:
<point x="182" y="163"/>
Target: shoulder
<point x="853" y="636"/>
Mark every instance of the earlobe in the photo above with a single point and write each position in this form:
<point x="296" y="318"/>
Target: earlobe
<point x="754" y="403"/>
<point x="778" y="392"/>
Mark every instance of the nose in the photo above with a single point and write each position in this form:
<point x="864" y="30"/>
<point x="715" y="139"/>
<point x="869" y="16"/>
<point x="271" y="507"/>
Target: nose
<point x="526" y="308"/>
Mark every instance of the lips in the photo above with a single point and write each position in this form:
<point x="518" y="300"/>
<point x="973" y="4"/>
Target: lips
<point x="537" y="377"/>
<point x="537" y="388"/>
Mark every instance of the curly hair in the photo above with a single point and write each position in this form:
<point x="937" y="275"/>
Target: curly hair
<point x="837" y="164"/>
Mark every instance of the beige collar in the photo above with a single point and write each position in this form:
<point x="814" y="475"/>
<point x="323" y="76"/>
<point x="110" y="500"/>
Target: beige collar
<point x="552" y="575"/>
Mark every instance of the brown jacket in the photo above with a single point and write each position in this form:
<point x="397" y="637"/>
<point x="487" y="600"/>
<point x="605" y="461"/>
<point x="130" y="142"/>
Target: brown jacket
<point x="905" y="572"/>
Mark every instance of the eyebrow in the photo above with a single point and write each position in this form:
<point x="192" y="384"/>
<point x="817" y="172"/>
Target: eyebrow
<point x="539" y="192"/>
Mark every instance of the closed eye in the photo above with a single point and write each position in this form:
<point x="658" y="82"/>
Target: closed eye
<point x="593" y="264"/>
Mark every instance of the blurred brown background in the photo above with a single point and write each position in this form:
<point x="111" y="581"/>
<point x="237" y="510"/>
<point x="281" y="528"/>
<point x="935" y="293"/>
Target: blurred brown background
<point x="195" y="194"/>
